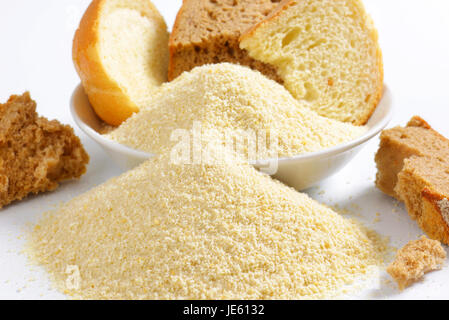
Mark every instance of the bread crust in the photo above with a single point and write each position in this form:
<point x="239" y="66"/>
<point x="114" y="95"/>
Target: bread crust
<point x="432" y="220"/>
<point x="172" y="48"/>
<point x="284" y="5"/>
<point x="412" y="168"/>
<point x="108" y="99"/>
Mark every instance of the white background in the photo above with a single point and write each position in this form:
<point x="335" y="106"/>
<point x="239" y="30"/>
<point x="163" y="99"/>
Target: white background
<point x="35" y="55"/>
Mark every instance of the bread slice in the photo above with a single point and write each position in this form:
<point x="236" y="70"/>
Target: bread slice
<point x="398" y="144"/>
<point x="35" y="154"/>
<point x="415" y="259"/>
<point x="413" y="167"/>
<point x="208" y="31"/>
<point x="326" y="52"/>
<point x="423" y="185"/>
<point x="121" y="54"/>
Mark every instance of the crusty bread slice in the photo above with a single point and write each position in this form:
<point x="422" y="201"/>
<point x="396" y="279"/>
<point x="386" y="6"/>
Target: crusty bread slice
<point x="208" y="31"/>
<point x="413" y="166"/>
<point x="121" y="54"/>
<point x="415" y="259"/>
<point x="423" y="185"/>
<point x="326" y="52"/>
<point x="398" y="144"/>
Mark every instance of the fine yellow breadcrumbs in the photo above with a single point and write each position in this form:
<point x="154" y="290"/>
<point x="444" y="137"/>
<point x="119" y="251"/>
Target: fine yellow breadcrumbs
<point x="226" y="97"/>
<point x="221" y="231"/>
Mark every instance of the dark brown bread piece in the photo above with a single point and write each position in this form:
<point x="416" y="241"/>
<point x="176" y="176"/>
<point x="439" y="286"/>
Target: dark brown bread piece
<point x="208" y="32"/>
<point x="35" y="153"/>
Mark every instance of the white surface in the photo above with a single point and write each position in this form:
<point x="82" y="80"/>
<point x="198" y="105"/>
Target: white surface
<point x="36" y="55"/>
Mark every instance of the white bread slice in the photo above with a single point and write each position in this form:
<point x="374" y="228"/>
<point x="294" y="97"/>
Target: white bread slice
<point x="121" y="54"/>
<point x="327" y="53"/>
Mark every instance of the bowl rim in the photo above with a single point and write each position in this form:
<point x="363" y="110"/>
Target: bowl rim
<point x="89" y="131"/>
<point x="371" y="133"/>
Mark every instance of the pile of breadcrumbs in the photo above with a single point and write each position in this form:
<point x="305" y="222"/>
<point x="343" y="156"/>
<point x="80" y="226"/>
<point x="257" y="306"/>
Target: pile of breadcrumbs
<point x="221" y="231"/>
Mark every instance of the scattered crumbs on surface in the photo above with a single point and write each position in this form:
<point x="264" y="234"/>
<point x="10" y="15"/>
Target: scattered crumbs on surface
<point x="377" y="219"/>
<point x="387" y="282"/>
<point x="345" y="211"/>
<point x="396" y="205"/>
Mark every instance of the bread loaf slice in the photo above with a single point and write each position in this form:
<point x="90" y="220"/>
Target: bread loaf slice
<point x="121" y="54"/>
<point x="208" y="31"/>
<point x="35" y="154"/>
<point x="423" y="185"/>
<point x="413" y="167"/>
<point x="326" y="52"/>
<point x="398" y="144"/>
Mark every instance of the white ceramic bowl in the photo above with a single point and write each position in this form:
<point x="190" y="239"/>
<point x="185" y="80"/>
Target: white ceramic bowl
<point x="300" y="172"/>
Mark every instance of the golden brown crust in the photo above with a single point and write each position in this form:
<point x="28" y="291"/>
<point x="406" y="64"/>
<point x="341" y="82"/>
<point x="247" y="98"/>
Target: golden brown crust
<point x="412" y="166"/>
<point x="172" y="47"/>
<point x="105" y="95"/>
<point x="419" y="187"/>
<point x="35" y="153"/>
<point x="419" y="122"/>
<point x="108" y="99"/>
<point x="432" y="220"/>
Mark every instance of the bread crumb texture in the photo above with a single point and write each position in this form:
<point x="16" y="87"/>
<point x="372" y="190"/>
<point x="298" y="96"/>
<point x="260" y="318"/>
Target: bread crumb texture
<point x="326" y="52"/>
<point x="224" y="231"/>
<point x="415" y="259"/>
<point x="227" y="97"/>
<point x="35" y="154"/>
